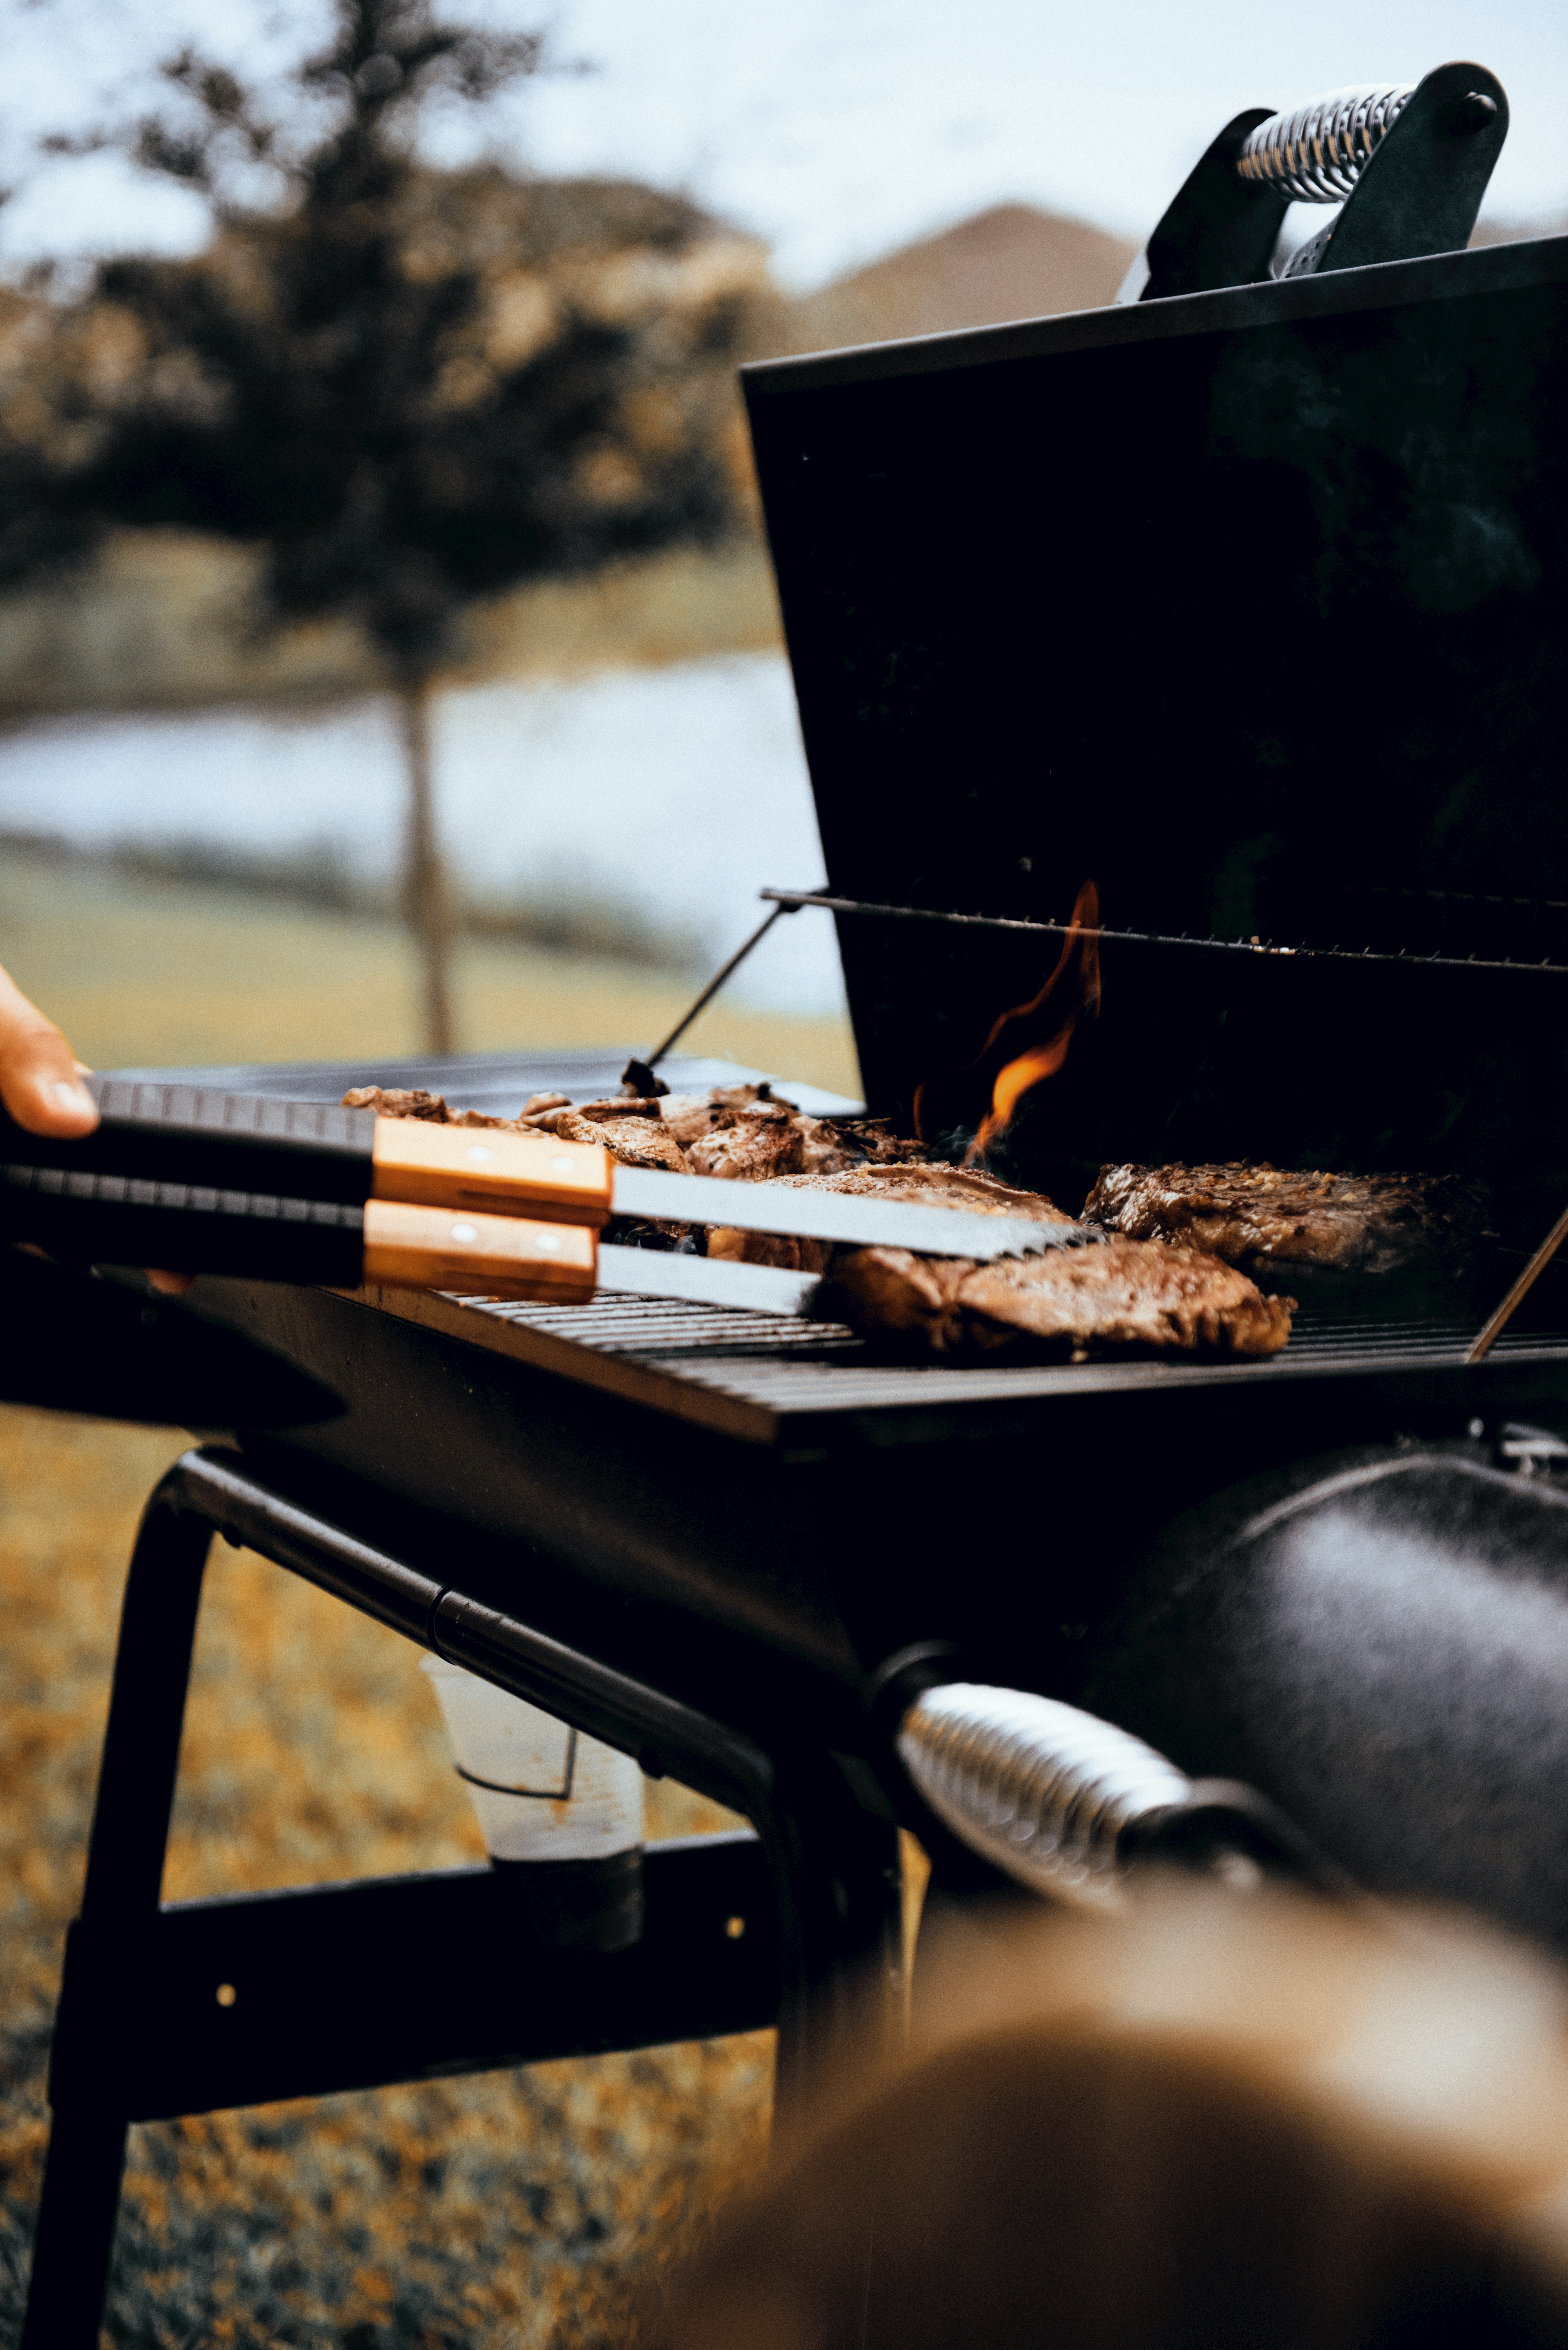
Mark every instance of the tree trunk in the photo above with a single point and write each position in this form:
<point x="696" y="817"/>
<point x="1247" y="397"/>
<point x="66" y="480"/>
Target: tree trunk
<point x="426" y="906"/>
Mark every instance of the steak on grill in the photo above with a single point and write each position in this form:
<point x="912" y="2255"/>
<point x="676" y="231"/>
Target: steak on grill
<point x="1138" y="1292"/>
<point x="1074" y="1301"/>
<point x="1257" y="1215"/>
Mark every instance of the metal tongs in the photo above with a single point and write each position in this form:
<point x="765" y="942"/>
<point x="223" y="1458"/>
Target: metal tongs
<point x="201" y="1180"/>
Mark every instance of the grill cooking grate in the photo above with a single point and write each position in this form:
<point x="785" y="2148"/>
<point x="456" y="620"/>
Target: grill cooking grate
<point x="757" y="1376"/>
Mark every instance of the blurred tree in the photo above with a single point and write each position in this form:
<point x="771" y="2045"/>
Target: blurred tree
<point x="408" y="388"/>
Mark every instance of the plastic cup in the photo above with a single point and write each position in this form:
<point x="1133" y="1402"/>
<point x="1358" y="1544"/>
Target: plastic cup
<point x="541" y="1791"/>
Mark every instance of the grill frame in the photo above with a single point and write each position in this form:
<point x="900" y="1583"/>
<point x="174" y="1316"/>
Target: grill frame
<point x="761" y="1380"/>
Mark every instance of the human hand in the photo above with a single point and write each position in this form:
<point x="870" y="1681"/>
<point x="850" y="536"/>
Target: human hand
<point x="41" y="1085"/>
<point x="40" y="1076"/>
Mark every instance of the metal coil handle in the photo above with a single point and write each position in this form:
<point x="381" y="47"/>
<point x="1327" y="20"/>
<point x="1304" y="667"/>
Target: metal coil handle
<point x="1437" y="140"/>
<point x="1317" y="153"/>
<point x="1041" y="1790"/>
<point x="1066" y="1803"/>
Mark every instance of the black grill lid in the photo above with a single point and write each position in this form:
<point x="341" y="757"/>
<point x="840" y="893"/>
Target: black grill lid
<point x="1251" y="606"/>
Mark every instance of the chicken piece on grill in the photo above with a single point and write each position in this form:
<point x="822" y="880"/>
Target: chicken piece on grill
<point x="923" y="1184"/>
<point x="1074" y="1301"/>
<point x="1256" y="1214"/>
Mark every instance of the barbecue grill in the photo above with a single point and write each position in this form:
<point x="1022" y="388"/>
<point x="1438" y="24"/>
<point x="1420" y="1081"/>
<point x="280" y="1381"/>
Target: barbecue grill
<point x="1247" y="606"/>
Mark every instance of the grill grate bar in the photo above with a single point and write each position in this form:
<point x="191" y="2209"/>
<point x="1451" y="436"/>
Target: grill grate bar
<point x="657" y="1325"/>
<point x="788" y="1365"/>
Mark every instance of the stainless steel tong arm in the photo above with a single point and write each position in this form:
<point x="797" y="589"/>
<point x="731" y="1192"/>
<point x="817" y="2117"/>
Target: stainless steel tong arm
<point x="850" y="1217"/>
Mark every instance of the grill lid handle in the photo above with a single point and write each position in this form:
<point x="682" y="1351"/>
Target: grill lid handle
<point x="1410" y="163"/>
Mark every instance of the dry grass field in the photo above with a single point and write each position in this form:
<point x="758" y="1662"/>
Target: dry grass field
<point x="507" y="2209"/>
<point x="141" y="971"/>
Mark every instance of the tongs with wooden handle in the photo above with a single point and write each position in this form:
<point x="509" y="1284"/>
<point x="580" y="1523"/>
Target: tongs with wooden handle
<point x="201" y="1180"/>
<point x="204" y="1181"/>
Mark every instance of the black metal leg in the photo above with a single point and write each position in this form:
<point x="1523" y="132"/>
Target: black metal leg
<point x="833" y="1850"/>
<point x="75" y="2237"/>
<point x="138" y="2033"/>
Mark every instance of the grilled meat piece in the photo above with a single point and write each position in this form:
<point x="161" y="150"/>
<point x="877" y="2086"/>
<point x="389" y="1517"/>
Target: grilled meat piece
<point x="926" y="1185"/>
<point x="1074" y="1301"/>
<point x="1258" y="1215"/>
<point x="630" y="1136"/>
<point x="634" y="1141"/>
<point x="766" y="1139"/>
<point x="688" y="1115"/>
<point x="873" y="1141"/>
<point x="621" y="1106"/>
<point x="398" y="1101"/>
<point x="748" y="1145"/>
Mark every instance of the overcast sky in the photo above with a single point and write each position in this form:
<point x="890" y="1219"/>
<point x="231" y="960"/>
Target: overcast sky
<point x="835" y="128"/>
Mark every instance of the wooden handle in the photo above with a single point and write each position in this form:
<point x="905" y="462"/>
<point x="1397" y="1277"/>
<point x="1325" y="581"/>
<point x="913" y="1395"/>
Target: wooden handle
<point x="496" y="1173"/>
<point x="481" y="1256"/>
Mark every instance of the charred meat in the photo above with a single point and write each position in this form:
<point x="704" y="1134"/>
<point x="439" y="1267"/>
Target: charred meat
<point x="1138" y="1290"/>
<point x="1074" y="1301"/>
<point x="1257" y="1215"/>
<point x="402" y="1101"/>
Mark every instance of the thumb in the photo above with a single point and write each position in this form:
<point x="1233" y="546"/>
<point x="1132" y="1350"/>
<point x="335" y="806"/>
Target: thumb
<point x="38" y="1080"/>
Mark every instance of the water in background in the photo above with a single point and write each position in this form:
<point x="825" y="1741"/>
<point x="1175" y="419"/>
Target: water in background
<point x="648" y="805"/>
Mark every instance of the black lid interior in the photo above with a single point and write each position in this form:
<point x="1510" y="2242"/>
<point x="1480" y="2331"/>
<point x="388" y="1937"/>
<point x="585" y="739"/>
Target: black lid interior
<point x="1252" y="607"/>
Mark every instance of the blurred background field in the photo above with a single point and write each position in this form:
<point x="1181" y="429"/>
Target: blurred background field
<point x="142" y="969"/>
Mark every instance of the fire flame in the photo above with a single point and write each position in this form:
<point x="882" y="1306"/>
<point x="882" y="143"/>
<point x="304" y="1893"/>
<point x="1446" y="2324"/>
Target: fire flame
<point x="1017" y="1076"/>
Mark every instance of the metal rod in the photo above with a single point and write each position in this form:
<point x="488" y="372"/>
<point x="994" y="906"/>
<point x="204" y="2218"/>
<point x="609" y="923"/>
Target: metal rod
<point x="789" y="900"/>
<point x="717" y="981"/>
<point x="1493" y="1329"/>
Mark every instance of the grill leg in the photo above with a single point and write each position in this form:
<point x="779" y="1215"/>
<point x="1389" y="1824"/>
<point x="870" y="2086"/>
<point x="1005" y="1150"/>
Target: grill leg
<point x="830" y="1842"/>
<point x="833" y="1846"/>
<point x="75" y="2237"/>
<point x="76" y="2229"/>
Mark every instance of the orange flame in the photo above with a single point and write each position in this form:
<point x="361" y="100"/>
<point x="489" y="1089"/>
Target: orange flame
<point x="1017" y="1076"/>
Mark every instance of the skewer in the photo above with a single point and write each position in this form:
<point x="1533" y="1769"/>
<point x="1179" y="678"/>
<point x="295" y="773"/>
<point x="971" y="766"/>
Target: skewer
<point x="1493" y="1328"/>
<point x="712" y="990"/>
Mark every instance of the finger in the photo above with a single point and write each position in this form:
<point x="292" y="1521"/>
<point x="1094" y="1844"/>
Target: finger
<point x="170" y="1284"/>
<point x="39" y="1081"/>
